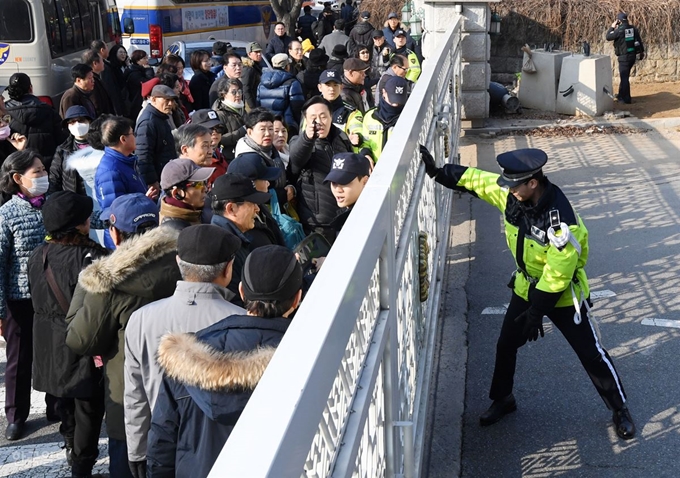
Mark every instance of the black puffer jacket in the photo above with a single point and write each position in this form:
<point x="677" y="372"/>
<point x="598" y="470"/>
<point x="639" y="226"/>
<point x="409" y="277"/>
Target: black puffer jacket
<point x="155" y="144"/>
<point x="234" y="128"/>
<point x="361" y="34"/>
<point x="62" y="179"/>
<point x="56" y="368"/>
<point x="39" y="122"/>
<point x="250" y="77"/>
<point x="310" y="161"/>
<point x="352" y="95"/>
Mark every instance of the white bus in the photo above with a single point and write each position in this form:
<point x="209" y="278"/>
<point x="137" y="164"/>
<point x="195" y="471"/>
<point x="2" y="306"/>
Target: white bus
<point x="152" y="25"/>
<point x="45" y="38"/>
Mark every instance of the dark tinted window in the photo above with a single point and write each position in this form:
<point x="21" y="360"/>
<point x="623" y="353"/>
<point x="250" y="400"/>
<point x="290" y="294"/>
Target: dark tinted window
<point x="15" y="22"/>
<point x="53" y="28"/>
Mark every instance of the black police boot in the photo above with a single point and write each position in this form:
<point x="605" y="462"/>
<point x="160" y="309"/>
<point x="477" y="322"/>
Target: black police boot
<point x="497" y="410"/>
<point x="623" y="423"/>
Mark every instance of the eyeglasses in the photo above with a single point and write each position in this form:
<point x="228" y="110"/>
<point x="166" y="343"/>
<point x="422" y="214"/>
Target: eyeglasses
<point x="130" y="133"/>
<point x="401" y="67"/>
<point x="236" y="92"/>
<point x="235" y="65"/>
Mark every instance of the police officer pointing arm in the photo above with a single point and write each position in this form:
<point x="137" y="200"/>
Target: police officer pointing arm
<point x="549" y="242"/>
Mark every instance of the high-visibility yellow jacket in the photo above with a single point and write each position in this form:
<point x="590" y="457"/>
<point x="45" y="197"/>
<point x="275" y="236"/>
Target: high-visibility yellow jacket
<point x="374" y="133"/>
<point x="550" y="265"/>
<point x="414" y="69"/>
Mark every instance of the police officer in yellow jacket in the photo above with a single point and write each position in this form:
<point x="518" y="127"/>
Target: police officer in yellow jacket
<point x="413" y="64"/>
<point x="369" y="133"/>
<point x="550" y="244"/>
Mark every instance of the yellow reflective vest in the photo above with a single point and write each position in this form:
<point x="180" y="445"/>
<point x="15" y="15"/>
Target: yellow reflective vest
<point x="549" y="265"/>
<point x="374" y="134"/>
<point x="414" y="69"/>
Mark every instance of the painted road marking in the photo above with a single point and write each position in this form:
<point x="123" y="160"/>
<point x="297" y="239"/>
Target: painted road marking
<point x="594" y="295"/>
<point x="675" y="324"/>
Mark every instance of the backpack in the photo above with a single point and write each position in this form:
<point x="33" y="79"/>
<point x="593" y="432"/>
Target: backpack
<point x="290" y="228"/>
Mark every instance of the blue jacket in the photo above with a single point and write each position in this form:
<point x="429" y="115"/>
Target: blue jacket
<point x="116" y="176"/>
<point x="389" y="37"/>
<point x="155" y="144"/>
<point x="21" y="232"/>
<point x="240" y="256"/>
<point x="281" y="93"/>
<point x="195" y="413"/>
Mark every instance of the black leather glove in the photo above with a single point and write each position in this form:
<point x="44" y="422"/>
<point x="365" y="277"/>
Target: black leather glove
<point x="533" y="323"/>
<point x="430" y="166"/>
<point x="138" y="468"/>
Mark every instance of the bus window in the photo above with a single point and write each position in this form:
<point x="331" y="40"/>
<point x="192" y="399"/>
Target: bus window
<point x="52" y="28"/>
<point x="15" y="22"/>
<point x="87" y="22"/>
<point x="67" y="25"/>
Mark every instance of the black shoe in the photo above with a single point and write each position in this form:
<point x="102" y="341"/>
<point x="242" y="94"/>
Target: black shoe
<point x="623" y="423"/>
<point x="14" y="431"/>
<point x="497" y="410"/>
<point x="68" y="450"/>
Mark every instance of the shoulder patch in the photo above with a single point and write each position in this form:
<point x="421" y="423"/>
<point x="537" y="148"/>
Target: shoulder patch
<point x="413" y="60"/>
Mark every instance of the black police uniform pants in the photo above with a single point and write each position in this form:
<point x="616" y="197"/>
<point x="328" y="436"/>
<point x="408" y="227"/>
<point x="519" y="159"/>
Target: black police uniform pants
<point x="625" y="65"/>
<point x="581" y="337"/>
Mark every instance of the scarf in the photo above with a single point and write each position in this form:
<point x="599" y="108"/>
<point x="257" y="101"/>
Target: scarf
<point x="257" y="148"/>
<point x="170" y="208"/>
<point x="36" y="201"/>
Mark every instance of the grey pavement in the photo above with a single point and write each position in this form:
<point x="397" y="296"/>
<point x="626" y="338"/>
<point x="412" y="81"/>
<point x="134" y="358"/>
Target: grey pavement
<point x="627" y="190"/>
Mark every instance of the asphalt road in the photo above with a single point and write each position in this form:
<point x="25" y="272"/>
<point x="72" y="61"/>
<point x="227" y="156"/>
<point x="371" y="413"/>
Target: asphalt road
<point x="627" y="190"/>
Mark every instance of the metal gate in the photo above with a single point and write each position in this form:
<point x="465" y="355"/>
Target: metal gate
<point x="346" y="393"/>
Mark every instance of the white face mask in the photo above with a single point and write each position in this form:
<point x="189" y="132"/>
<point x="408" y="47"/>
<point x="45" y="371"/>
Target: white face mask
<point x="4" y="132"/>
<point x="232" y="104"/>
<point x="39" y="186"/>
<point x="79" y="130"/>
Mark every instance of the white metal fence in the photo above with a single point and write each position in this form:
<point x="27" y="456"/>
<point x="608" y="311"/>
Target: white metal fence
<point x="346" y="393"/>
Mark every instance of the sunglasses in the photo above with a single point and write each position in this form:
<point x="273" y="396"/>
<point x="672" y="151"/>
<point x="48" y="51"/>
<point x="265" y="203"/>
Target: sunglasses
<point x="200" y="185"/>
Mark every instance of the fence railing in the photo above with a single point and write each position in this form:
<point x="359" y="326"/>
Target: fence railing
<point x="347" y="390"/>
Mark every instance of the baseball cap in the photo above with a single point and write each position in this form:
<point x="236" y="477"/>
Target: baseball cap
<point x="365" y="14"/>
<point x="354" y="64"/>
<point x="329" y="76"/>
<point x="392" y="15"/>
<point x="205" y="117"/>
<point x="280" y="60"/>
<point x="622" y="17"/>
<point x="378" y="34"/>
<point x="76" y="111"/>
<point x="182" y="170"/>
<point x="163" y="91"/>
<point x="129" y="211"/>
<point x="252" y="166"/>
<point x="397" y="90"/>
<point x="236" y="187"/>
<point x="346" y="167"/>
<point x="271" y="273"/>
<point x="253" y="46"/>
<point x="64" y="210"/>
<point x="205" y="244"/>
<point x="399" y="33"/>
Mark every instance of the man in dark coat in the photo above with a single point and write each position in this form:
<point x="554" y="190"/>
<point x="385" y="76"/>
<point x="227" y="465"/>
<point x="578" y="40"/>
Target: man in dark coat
<point x="195" y="413"/>
<point x="81" y="92"/>
<point x="361" y="34"/>
<point x="309" y="78"/>
<point x="251" y="74"/>
<point x="311" y="159"/>
<point x="141" y="270"/>
<point x="236" y="203"/>
<point x="57" y="370"/>
<point x="102" y="99"/>
<point x="353" y="91"/>
<point x="305" y="23"/>
<point x="280" y="92"/>
<point x="627" y="44"/>
<point x="155" y="143"/>
<point x="279" y="42"/>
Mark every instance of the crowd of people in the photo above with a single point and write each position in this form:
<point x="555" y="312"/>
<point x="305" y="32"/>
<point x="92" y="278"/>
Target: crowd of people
<point x="149" y="225"/>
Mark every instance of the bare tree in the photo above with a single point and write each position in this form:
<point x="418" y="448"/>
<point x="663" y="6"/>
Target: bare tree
<point x="287" y="11"/>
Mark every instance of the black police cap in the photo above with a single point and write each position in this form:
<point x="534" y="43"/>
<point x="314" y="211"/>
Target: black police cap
<point x="518" y="166"/>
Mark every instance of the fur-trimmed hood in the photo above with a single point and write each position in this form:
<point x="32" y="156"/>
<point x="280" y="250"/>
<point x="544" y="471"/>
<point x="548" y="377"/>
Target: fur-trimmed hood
<point x="197" y="364"/>
<point x="220" y="366"/>
<point x="105" y="274"/>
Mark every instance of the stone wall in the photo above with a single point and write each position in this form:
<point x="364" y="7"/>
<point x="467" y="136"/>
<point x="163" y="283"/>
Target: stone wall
<point x="661" y="63"/>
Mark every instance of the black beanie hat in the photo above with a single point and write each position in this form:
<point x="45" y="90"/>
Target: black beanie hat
<point x="271" y="273"/>
<point x="64" y="210"/>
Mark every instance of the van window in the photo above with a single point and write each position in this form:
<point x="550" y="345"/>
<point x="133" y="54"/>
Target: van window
<point x="15" y="22"/>
<point x="52" y="28"/>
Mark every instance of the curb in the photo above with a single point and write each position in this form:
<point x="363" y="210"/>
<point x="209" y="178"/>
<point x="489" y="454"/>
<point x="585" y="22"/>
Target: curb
<point x="633" y="122"/>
